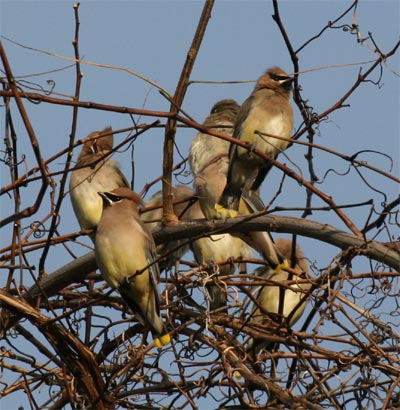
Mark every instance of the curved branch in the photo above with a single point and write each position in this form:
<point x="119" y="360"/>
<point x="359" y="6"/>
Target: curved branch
<point x="79" y="360"/>
<point x="283" y="224"/>
<point x="77" y="270"/>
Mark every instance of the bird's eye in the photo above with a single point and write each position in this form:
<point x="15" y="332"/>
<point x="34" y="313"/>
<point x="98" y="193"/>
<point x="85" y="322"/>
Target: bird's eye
<point x="278" y="77"/>
<point x="115" y="198"/>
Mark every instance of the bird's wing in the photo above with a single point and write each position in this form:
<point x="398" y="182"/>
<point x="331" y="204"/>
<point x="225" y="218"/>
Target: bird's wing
<point x="261" y="174"/>
<point x="121" y="180"/>
<point x="126" y="292"/>
<point x="242" y="115"/>
<point x="154" y="270"/>
<point x="253" y="200"/>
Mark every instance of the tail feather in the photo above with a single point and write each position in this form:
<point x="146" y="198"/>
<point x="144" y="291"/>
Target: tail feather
<point x="262" y="242"/>
<point x="150" y="319"/>
<point x="230" y="197"/>
<point x="253" y="201"/>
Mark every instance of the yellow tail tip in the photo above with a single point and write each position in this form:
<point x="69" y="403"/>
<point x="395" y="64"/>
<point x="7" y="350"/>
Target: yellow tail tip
<point x="237" y="374"/>
<point x="162" y="341"/>
<point x="282" y="266"/>
<point x="225" y="213"/>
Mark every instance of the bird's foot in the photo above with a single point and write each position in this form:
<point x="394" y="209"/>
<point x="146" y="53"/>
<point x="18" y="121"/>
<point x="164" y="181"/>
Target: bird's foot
<point x="224" y="213"/>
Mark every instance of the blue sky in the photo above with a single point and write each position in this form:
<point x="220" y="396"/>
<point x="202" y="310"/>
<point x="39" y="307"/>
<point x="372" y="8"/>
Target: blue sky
<point x="153" y="37"/>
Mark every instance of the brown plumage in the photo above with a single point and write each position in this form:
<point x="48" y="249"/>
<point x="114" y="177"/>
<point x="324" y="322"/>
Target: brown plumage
<point x="280" y="302"/>
<point x="94" y="172"/>
<point x="208" y="159"/>
<point x="208" y="156"/>
<point x="153" y="218"/>
<point x="215" y="248"/>
<point x="267" y="110"/>
<point x="125" y="253"/>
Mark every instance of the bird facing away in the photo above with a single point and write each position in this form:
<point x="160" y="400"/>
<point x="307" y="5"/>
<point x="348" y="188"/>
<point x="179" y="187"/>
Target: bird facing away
<point x="153" y="218"/>
<point x="208" y="158"/>
<point x="94" y="172"/>
<point x="267" y="110"/>
<point x="281" y="302"/>
<point x="214" y="248"/>
<point x="125" y="253"/>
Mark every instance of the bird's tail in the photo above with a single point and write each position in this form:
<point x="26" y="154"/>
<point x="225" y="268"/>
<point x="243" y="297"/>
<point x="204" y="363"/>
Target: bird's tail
<point x="262" y="242"/>
<point x="162" y="340"/>
<point x="150" y="318"/>
<point x="253" y="201"/>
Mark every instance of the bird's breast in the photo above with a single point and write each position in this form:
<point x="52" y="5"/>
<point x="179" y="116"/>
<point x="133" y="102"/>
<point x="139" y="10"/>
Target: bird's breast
<point x="269" y="298"/>
<point x="118" y="257"/>
<point x="87" y="205"/>
<point x="275" y="122"/>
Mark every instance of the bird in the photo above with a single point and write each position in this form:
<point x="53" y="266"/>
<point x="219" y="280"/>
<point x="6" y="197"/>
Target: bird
<point x="205" y="250"/>
<point x="94" y="172"/>
<point x="125" y="254"/>
<point x="172" y="251"/>
<point x="213" y="248"/>
<point x="267" y="110"/>
<point x="280" y="302"/>
<point x="208" y="156"/>
<point x="208" y="160"/>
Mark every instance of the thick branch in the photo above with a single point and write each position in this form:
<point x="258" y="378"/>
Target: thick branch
<point x="79" y="359"/>
<point x="79" y="268"/>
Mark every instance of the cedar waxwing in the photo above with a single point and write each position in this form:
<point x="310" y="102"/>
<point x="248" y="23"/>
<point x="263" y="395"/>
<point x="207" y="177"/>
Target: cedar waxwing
<point x="208" y="158"/>
<point x="125" y="251"/>
<point x="217" y="248"/>
<point x="153" y="217"/>
<point x="280" y="302"/>
<point x="93" y="174"/>
<point x="267" y="110"/>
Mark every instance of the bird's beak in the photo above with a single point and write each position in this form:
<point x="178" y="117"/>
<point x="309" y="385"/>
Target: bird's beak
<point x="105" y="198"/>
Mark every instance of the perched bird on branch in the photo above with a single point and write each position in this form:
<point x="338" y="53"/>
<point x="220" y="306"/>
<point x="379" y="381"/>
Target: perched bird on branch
<point x="171" y="251"/>
<point x="213" y="248"/>
<point x="125" y="253"/>
<point x="267" y="111"/>
<point x="279" y="301"/>
<point x="208" y="158"/>
<point x="94" y="172"/>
